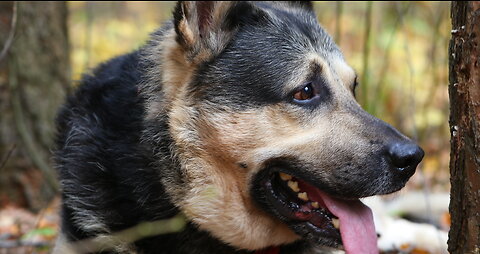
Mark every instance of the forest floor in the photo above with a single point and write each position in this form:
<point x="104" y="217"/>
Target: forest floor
<point x="24" y="232"/>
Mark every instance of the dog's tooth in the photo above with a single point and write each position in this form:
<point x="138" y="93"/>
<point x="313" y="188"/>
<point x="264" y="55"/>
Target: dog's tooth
<point x="336" y="223"/>
<point x="315" y="205"/>
<point x="285" y="177"/>
<point x="303" y="196"/>
<point x="293" y="185"/>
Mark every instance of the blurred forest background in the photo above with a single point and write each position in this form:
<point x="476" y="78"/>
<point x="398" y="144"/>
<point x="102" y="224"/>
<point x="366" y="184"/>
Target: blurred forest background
<point x="399" y="50"/>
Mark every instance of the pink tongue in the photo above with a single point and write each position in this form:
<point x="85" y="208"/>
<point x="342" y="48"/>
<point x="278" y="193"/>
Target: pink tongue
<point x="356" y="224"/>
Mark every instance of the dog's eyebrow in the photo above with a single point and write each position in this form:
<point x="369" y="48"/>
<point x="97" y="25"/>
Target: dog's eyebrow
<point x="315" y="69"/>
<point x="306" y="70"/>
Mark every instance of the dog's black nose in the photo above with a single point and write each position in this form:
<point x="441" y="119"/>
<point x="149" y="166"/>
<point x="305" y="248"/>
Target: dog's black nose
<point x="405" y="157"/>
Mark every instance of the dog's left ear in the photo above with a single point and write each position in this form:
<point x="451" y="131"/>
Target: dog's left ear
<point x="204" y="28"/>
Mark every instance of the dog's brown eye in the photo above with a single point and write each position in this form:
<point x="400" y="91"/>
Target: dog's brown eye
<point x="306" y="93"/>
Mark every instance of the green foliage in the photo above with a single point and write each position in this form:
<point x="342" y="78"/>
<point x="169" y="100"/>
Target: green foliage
<point x="42" y="232"/>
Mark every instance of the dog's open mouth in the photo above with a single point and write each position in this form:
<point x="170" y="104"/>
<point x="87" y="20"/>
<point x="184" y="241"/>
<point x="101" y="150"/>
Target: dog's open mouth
<point x="318" y="217"/>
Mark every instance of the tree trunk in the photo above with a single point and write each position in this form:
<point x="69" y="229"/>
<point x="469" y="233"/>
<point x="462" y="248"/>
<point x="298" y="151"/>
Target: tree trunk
<point x="464" y="91"/>
<point x="34" y="77"/>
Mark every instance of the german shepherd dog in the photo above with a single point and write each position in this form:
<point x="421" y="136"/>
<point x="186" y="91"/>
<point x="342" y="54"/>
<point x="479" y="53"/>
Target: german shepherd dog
<point x="241" y="117"/>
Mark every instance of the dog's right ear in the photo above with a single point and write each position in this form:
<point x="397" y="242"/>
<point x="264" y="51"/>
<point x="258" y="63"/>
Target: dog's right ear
<point x="203" y="28"/>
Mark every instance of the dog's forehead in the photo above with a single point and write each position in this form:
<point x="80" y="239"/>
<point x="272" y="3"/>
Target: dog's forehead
<point x="316" y="50"/>
<point x="265" y="62"/>
<point x="298" y="27"/>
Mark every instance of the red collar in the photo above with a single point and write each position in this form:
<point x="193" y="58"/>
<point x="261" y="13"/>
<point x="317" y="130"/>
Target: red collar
<point x="269" y="250"/>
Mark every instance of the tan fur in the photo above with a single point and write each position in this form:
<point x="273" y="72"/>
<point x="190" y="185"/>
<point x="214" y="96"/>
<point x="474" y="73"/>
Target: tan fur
<point x="343" y="71"/>
<point x="187" y="32"/>
<point x="179" y="69"/>
<point x="174" y="70"/>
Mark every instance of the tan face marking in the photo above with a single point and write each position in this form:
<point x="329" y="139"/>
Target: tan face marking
<point x="334" y="70"/>
<point x="303" y="70"/>
<point x="344" y="72"/>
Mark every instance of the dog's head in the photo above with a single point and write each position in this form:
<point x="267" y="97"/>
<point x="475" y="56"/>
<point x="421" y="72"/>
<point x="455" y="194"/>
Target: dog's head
<point x="273" y="146"/>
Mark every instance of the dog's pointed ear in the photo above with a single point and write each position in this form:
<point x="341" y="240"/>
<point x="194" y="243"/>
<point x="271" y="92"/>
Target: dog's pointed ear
<point x="203" y="28"/>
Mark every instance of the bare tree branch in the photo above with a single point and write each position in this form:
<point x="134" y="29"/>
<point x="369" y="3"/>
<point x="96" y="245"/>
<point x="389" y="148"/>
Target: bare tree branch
<point x="8" y="156"/>
<point x="122" y="239"/>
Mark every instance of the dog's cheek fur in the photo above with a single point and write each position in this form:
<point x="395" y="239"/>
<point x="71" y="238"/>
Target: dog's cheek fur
<point x="216" y="193"/>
